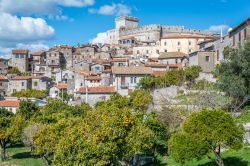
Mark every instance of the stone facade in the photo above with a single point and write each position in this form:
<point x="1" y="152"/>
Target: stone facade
<point x="204" y="59"/>
<point x="20" y="59"/>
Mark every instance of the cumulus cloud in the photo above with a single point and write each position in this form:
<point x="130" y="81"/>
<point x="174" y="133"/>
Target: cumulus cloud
<point x="218" y="28"/>
<point x="114" y="9"/>
<point x="42" y="7"/>
<point x="21" y="29"/>
<point x="101" y="38"/>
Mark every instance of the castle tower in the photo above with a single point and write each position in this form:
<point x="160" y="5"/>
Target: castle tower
<point x="126" y="22"/>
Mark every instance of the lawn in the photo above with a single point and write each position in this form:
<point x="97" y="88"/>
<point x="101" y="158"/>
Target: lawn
<point x="231" y="158"/>
<point x="20" y="156"/>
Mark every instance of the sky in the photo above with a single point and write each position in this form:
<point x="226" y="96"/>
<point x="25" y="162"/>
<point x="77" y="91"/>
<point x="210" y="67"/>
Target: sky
<point x="40" y="24"/>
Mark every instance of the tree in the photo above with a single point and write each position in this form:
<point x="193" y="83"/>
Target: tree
<point x="5" y="132"/>
<point x="140" y="99"/>
<point x="27" y="108"/>
<point x="204" y="132"/>
<point x="28" y="134"/>
<point x="234" y="74"/>
<point x="191" y="73"/>
<point x="40" y="94"/>
<point x="14" y="70"/>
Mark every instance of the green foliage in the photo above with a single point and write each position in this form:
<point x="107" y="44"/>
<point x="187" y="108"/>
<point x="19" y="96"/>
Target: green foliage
<point x="234" y="73"/>
<point x="27" y="108"/>
<point x="5" y="131"/>
<point x="203" y="85"/>
<point x="204" y="132"/>
<point x="140" y="99"/>
<point x="14" y="70"/>
<point x="65" y="96"/>
<point x="173" y="77"/>
<point x="31" y="93"/>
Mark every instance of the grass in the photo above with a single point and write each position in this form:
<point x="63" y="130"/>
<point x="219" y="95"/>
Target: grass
<point x="230" y="157"/>
<point x="244" y="117"/>
<point x="21" y="156"/>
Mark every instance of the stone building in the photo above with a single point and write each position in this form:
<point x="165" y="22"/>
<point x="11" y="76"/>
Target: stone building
<point x="20" y="60"/>
<point x="3" y="66"/>
<point x="4" y="82"/>
<point x="125" y="79"/>
<point x="240" y="33"/>
<point x="204" y="59"/>
<point x="67" y="53"/>
<point x="55" y="60"/>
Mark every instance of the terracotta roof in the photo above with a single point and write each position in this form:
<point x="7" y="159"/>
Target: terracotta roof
<point x="85" y="73"/>
<point x="132" y="70"/>
<point x="165" y="55"/>
<point x="93" y="78"/>
<point x="153" y="59"/>
<point x="9" y="103"/>
<point x="21" y="78"/>
<point x="62" y="86"/>
<point x="20" y="51"/>
<point x="99" y="89"/>
<point x="158" y="73"/>
<point x="2" y="77"/>
<point x="28" y="77"/>
<point x="119" y="60"/>
<point x="38" y="53"/>
<point x="152" y="64"/>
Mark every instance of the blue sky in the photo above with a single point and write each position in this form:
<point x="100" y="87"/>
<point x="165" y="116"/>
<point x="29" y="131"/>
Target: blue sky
<point x="43" y="23"/>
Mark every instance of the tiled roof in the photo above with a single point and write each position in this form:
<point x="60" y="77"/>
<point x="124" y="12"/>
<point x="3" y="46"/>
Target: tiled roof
<point x="38" y="53"/>
<point x="119" y="60"/>
<point x="99" y="89"/>
<point x="20" y="51"/>
<point x="93" y="78"/>
<point x="165" y="55"/>
<point x="62" y="86"/>
<point x="132" y="70"/>
<point x="2" y="77"/>
<point x="21" y="78"/>
<point x="28" y="77"/>
<point x="153" y="64"/>
<point x="85" y="73"/>
<point x="9" y="103"/>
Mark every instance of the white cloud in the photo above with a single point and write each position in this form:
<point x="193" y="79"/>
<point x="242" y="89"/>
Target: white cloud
<point x="218" y="28"/>
<point x="101" y="38"/>
<point x="40" y="7"/>
<point x="114" y="9"/>
<point x="14" y="29"/>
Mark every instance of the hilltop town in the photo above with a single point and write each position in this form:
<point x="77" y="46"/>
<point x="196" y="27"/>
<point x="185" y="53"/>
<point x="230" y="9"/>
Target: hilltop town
<point x="151" y="94"/>
<point x="92" y="72"/>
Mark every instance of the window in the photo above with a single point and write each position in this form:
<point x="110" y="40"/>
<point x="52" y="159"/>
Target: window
<point x="55" y="54"/>
<point x="179" y="50"/>
<point x="239" y="36"/>
<point x="233" y="40"/>
<point x="189" y="43"/>
<point x="146" y="51"/>
<point x="245" y="34"/>
<point x="148" y="38"/>
<point x="157" y="52"/>
<point x="207" y="58"/>
<point x="21" y="56"/>
<point x="81" y="84"/>
<point x="1" y="84"/>
<point x="97" y="68"/>
<point x="179" y="43"/>
<point x="135" y="80"/>
<point x="138" y="52"/>
<point x="165" y="50"/>
<point x="189" y="50"/>
<point x="131" y="80"/>
<point x="176" y="60"/>
<point x="17" y="56"/>
<point x="35" y="83"/>
<point x="120" y="64"/>
<point x="165" y="43"/>
<point x="22" y="83"/>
